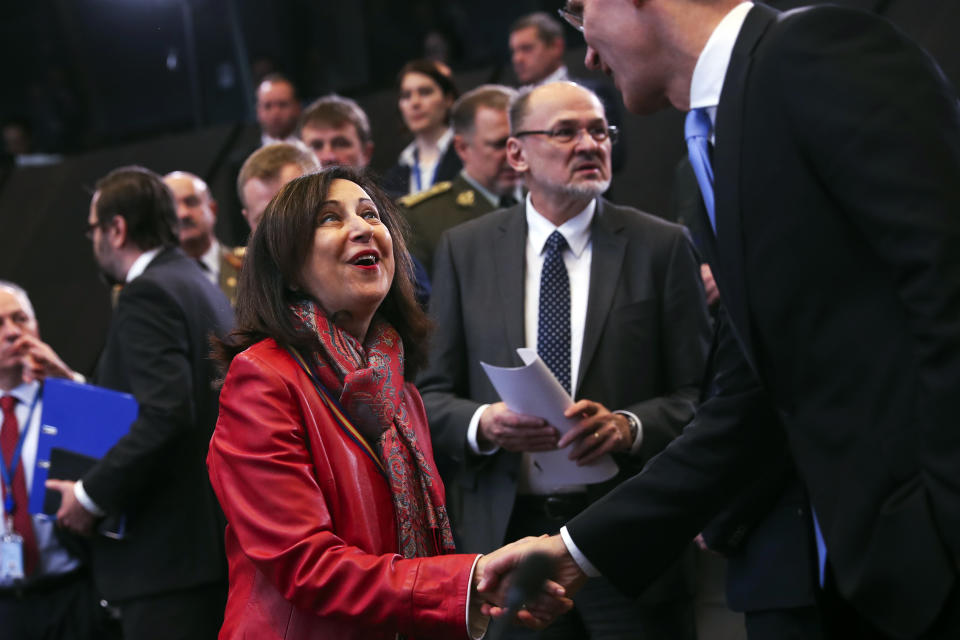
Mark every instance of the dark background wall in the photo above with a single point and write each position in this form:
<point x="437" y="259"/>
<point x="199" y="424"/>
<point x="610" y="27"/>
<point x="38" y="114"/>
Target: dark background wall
<point x="114" y="82"/>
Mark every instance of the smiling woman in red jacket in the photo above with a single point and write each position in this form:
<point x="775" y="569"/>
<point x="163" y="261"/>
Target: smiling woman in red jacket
<point x="321" y="458"/>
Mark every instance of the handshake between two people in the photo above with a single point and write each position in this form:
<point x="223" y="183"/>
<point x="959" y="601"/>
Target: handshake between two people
<point x="530" y="582"/>
<point x="598" y="431"/>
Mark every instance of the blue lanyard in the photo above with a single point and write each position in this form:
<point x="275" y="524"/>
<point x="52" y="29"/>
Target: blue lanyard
<point x="416" y="170"/>
<point x="8" y="503"/>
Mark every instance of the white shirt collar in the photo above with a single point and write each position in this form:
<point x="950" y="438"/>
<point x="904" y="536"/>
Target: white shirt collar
<point x="559" y="75"/>
<point x="576" y="230"/>
<point x="291" y="139"/>
<point x="211" y="259"/>
<point x="707" y="82"/>
<point x="407" y="155"/>
<point x="141" y="263"/>
<point x="24" y="393"/>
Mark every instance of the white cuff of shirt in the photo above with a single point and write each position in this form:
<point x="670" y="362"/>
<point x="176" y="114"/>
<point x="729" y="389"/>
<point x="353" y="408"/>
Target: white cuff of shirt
<point x="470" y="595"/>
<point x="585" y="565"/>
<point x="638" y="441"/>
<point x="86" y="501"/>
<point x="472" y="434"/>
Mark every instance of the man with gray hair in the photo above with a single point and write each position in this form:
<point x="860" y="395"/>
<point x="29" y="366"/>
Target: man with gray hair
<point x="486" y="182"/>
<point x="46" y="592"/>
<point x="612" y="302"/>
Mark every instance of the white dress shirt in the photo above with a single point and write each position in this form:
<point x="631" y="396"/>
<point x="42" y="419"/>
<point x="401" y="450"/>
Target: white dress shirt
<point x="53" y="558"/>
<point x="211" y="262"/>
<point x="706" y="86"/>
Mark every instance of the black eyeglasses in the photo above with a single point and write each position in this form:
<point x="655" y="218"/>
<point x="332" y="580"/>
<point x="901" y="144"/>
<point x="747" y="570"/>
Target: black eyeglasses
<point x="564" y="134"/>
<point x="575" y="20"/>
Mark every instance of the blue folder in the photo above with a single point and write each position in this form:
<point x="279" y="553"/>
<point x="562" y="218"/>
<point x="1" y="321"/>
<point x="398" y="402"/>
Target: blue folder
<point x="79" y="418"/>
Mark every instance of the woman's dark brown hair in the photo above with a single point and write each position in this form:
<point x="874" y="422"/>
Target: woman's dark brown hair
<point x="271" y="276"/>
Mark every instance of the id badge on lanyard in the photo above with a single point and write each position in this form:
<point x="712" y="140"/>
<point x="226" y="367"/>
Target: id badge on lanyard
<point x="11" y="553"/>
<point x="11" y="542"/>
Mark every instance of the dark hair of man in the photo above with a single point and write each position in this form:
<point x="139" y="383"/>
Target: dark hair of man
<point x="435" y="72"/>
<point x="141" y="198"/>
<point x="464" y="112"/>
<point x="266" y="163"/>
<point x="335" y="111"/>
<point x="548" y="28"/>
<point x="275" y="77"/>
<point x="279" y="248"/>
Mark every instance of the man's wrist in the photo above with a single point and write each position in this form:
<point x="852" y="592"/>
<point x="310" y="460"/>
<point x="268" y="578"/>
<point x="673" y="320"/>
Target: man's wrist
<point x="85" y="500"/>
<point x="636" y="430"/>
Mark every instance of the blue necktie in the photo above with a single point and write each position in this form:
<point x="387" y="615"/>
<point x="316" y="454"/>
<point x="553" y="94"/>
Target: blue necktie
<point x="553" y="324"/>
<point x="697" y="133"/>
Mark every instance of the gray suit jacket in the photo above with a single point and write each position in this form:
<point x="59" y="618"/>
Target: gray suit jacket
<point x="647" y="333"/>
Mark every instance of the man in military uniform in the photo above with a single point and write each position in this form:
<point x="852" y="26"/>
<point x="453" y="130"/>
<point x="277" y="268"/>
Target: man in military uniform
<point x="197" y="215"/>
<point x="487" y="182"/>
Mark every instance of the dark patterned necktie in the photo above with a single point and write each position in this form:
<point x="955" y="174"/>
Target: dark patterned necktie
<point x="553" y="325"/>
<point x="22" y="524"/>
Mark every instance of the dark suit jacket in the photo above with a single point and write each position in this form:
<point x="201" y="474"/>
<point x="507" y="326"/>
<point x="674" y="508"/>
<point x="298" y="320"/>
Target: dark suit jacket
<point x="644" y="344"/>
<point x="396" y="180"/>
<point x="766" y="532"/>
<point x="158" y="350"/>
<point x="838" y="260"/>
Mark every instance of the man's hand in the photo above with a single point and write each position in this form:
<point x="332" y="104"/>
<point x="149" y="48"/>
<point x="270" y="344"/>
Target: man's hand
<point x="495" y="569"/>
<point x="709" y="284"/>
<point x="515" y="431"/>
<point x="40" y="361"/>
<point x="71" y="515"/>
<point x="598" y="433"/>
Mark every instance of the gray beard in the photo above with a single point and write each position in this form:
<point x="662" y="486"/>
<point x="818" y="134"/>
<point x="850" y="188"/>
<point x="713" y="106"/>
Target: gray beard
<point x="591" y="189"/>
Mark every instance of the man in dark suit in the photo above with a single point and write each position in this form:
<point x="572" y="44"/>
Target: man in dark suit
<point x="486" y="182"/>
<point x="633" y="348"/>
<point x="837" y="244"/>
<point x="163" y="563"/>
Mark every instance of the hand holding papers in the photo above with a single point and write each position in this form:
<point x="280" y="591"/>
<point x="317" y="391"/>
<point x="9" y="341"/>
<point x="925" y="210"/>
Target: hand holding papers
<point x="532" y="390"/>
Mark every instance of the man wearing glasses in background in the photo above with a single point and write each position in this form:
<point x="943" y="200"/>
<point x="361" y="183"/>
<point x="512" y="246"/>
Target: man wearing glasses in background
<point x="611" y="300"/>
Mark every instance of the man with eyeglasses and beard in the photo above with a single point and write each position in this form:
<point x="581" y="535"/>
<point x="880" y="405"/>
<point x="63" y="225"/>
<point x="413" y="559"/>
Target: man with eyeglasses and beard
<point x="611" y="299"/>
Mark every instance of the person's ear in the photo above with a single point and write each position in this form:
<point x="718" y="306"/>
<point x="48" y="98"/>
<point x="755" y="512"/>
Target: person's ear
<point x="516" y="155"/>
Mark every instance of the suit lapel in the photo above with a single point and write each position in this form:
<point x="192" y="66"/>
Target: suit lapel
<point x="510" y="252"/>
<point x="727" y="163"/>
<point x="609" y="248"/>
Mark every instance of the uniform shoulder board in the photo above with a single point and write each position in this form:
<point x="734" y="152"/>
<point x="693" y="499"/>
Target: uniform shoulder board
<point x="414" y="199"/>
<point x="235" y="256"/>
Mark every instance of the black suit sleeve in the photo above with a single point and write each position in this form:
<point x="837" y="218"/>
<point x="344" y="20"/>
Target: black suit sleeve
<point x="891" y="158"/>
<point x="633" y="533"/>
<point x="152" y="329"/>
<point x="685" y="326"/>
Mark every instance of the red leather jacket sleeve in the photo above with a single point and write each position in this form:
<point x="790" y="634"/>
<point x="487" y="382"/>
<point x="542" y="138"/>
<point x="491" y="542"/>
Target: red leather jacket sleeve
<point x="313" y="515"/>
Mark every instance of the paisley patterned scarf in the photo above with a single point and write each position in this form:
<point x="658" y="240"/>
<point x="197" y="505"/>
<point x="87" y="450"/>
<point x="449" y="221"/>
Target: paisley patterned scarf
<point x="368" y="380"/>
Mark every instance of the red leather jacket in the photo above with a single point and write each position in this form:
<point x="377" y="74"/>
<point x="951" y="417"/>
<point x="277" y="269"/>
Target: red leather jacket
<point x="311" y="536"/>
